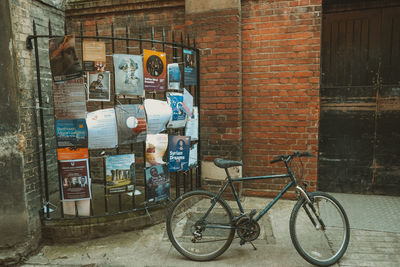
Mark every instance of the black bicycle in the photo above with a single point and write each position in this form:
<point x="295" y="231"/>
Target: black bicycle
<point x="201" y="225"/>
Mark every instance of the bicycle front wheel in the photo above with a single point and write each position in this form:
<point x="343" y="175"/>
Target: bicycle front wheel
<point x="196" y="234"/>
<point x="320" y="231"/>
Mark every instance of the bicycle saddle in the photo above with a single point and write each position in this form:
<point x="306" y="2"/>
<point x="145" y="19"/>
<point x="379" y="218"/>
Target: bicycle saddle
<point x="224" y="163"/>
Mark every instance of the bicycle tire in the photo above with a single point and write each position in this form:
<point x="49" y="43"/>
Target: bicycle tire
<point x="185" y="213"/>
<point x="324" y="246"/>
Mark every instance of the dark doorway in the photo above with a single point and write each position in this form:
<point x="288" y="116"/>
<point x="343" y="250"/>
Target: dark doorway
<point x="359" y="132"/>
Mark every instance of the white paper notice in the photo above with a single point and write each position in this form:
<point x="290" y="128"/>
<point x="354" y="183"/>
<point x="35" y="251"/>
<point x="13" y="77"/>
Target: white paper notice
<point x="192" y="125"/>
<point x="158" y="114"/>
<point x="193" y="156"/>
<point x="187" y="102"/>
<point x="156" y="146"/>
<point x="102" y="129"/>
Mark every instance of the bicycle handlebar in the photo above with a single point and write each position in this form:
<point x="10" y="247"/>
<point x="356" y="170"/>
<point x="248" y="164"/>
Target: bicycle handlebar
<point x="286" y="157"/>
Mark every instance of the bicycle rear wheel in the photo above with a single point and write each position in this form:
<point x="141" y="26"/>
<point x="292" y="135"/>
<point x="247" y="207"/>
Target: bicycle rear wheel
<point x="320" y="232"/>
<point x="193" y="237"/>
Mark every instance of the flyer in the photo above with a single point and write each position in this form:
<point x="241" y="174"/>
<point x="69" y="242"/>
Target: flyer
<point x="120" y="173"/>
<point x="158" y="114"/>
<point x="64" y="63"/>
<point x="189" y="67"/>
<point x="70" y="99"/>
<point x="174" y="76"/>
<point x="192" y="125"/>
<point x="178" y="118"/>
<point x="71" y="133"/>
<point x="128" y="74"/>
<point x="77" y="208"/>
<point x="179" y="147"/>
<point x="156" y="146"/>
<point x="94" y="55"/>
<point x="75" y="179"/>
<point x="187" y="102"/>
<point x="155" y="70"/>
<point x="99" y="86"/>
<point x="102" y="129"/>
<point x="131" y="123"/>
<point x="69" y="153"/>
<point x="193" y="156"/>
<point x="157" y="183"/>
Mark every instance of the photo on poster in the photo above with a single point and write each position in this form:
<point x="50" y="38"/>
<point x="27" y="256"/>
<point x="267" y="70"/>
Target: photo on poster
<point x="64" y="63"/>
<point x="156" y="146"/>
<point x="94" y="55"/>
<point x="158" y="114"/>
<point x="120" y="173"/>
<point x="102" y="129"/>
<point x="189" y="67"/>
<point x="128" y="74"/>
<point x="174" y="76"/>
<point x="155" y="70"/>
<point x="70" y="99"/>
<point x="178" y="118"/>
<point x="69" y="153"/>
<point x="71" y="133"/>
<point x="99" y="86"/>
<point x="131" y="123"/>
<point x="75" y="179"/>
<point x="178" y="152"/>
<point x="192" y="125"/>
<point x="157" y="183"/>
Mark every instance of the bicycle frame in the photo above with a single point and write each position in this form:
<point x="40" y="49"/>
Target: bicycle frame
<point x="230" y="182"/>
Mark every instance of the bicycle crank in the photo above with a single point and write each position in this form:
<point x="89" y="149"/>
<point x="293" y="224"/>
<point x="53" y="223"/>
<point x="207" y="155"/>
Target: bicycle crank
<point x="247" y="229"/>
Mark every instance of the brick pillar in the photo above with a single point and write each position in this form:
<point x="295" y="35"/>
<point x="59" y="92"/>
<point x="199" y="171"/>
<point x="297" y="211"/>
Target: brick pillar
<point x="216" y="27"/>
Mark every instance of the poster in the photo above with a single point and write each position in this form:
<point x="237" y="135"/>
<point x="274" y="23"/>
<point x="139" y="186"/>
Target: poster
<point x="192" y="125"/>
<point x="77" y="208"/>
<point x="158" y="114"/>
<point x="99" y="86"/>
<point x="157" y="183"/>
<point x="68" y="153"/>
<point x="178" y="118"/>
<point x="102" y="128"/>
<point x="128" y="74"/>
<point x="193" y="156"/>
<point x="155" y="70"/>
<point x="156" y="146"/>
<point x="64" y="63"/>
<point x="179" y="147"/>
<point x="189" y="67"/>
<point x="120" y="173"/>
<point x="187" y="102"/>
<point x="70" y="99"/>
<point x="75" y="180"/>
<point x="71" y="133"/>
<point x="131" y="123"/>
<point x="94" y="55"/>
<point x="174" y="76"/>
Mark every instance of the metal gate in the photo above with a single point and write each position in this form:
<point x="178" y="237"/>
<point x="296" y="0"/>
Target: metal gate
<point x="359" y="133"/>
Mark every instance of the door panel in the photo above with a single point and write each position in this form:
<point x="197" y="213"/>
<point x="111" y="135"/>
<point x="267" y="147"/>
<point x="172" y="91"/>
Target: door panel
<point x="359" y="133"/>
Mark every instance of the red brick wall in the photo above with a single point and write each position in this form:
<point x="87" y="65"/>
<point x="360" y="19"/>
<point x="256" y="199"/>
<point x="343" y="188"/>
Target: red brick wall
<point x="281" y="52"/>
<point x="218" y="37"/>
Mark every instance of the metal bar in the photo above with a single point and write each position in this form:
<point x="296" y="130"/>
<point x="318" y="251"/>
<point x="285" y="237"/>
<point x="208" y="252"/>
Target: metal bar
<point x="261" y="177"/>
<point x="152" y="38"/>
<point x="30" y="37"/>
<point x="198" y="173"/>
<point x="105" y="187"/>
<point x="259" y="216"/>
<point x="163" y="40"/>
<point x="42" y="130"/>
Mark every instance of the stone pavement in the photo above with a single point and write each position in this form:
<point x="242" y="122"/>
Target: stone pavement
<point x="374" y="241"/>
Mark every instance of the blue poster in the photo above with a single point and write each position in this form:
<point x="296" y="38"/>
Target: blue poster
<point x="189" y="67"/>
<point x="71" y="133"/>
<point x="178" y="118"/>
<point x="157" y="183"/>
<point x="179" y="147"/>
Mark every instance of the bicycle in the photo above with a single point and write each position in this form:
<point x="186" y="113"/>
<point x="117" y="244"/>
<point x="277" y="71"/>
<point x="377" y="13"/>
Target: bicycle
<point x="201" y="225"/>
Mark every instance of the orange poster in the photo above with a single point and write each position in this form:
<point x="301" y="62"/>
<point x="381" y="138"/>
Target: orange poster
<point x="69" y="153"/>
<point x="154" y="70"/>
